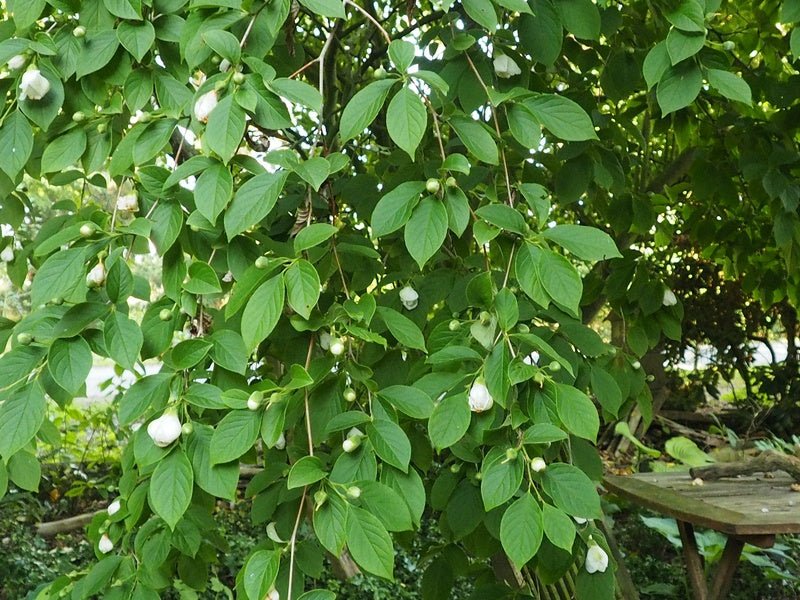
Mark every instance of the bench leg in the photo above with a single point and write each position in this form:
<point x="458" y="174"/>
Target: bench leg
<point x="726" y="569"/>
<point x="694" y="562"/>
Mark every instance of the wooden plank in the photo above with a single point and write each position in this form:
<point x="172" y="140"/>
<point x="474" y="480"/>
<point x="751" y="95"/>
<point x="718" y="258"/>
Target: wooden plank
<point x="723" y="579"/>
<point x="672" y="494"/>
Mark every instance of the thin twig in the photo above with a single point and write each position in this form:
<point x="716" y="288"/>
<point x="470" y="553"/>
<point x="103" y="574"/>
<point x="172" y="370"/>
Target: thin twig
<point x="372" y="19"/>
<point x="305" y="401"/>
<point x="293" y="544"/>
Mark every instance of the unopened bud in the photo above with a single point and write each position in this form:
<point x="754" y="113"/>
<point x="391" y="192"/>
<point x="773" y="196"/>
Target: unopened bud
<point x="354" y="492"/>
<point x="538" y="465"/>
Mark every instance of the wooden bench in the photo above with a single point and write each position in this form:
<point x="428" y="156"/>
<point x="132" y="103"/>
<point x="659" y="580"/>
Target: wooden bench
<point x="749" y="509"/>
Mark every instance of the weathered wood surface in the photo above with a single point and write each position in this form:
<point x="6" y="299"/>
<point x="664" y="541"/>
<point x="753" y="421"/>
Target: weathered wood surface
<point x="766" y="462"/>
<point x="745" y="506"/>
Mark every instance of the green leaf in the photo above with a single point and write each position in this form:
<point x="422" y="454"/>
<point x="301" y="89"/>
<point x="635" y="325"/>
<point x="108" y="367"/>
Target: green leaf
<point x="580" y="17"/>
<point x="386" y="504"/>
<point x="298" y="92"/>
<point x="502" y="216"/>
<point x="449" y="421"/>
<point x="136" y="38"/>
<point x="406" y="120"/>
<point x="60" y="274"/>
<point x="97" y="52"/>
<point x="24" y="471"/>
<point x="686" y="451"/>
<point x="426" y="230"/>
<point x="561" y="281"/>
<point x="16" y="136"/>
<point x="730" y="86"/>
<point x="170" y="490"/>
<point x="390" y="442"/>
<point x="259" y="573"/>
<point x="561" y="116"/>
<point x="314" y="171"/>
<point x="369" y="543"/>
<point x="217" y="480"/>
<point x="262" y="312"/>
<point x="678" y="87"/>
<point x="253" y="201"/>
<point x="588" y="243"/>
<point x="476" y="138"/>
<point x="409" y="400"/>
<point x="69" y="362"/>
<point x="519" y="6"/>
<point x="394" y="209"/>
<point x="402" y="53"/>
<point x="119" y="281"/>
<point x="305" y="471"/>
<point x="19" y="362"/>
<point x="362" y="108"/>
<point x="302" y="287"/>
<point x="235" y="434"/>
<point x="689" y="16"/>
<point x="123" y="339"/>
<point x="330" y="524"/>
<point x="541" y="34"/>
<point x="656" y="63"/>
<point x="21" y="416"/>
<point x="571" y="491"/>
<point x="521" y="530"/>
<point x="402" y="328"/>
<point x="150" y="391"/>
<point x="482" y="12"/>
<point x="681" y="46"/>
<point x="524" y="127"/>
<point x="544" y="433"/>
<point x="606" y="390"/>
<point x="229" y="351"/>
<point x="25" y="12"/>
<point x="202" y="279"/>
<point x="124" y="9"/>
<point x="213" y="191"/>
<point x="501" y="480"/>
<point x="188" y="353"/>
<point x="167" y="221"/>
<point x="558" y="527"/>
<point x="64" y="151"/>
<point x="223" y="43"/>
<point x="313" y="235"/>
<point x="225" y="129"/>
<point x="794" y="43"/>
<point x="325" y="8"/>
<point x="576" y="411"/>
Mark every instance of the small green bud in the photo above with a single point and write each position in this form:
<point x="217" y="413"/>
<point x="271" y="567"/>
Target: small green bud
<point x="319" y="498"/>
<point x="24" y="338"/>
<point x="455" y="468"/>
<point x="523" y="328"/>
<point x="187" y="428"/>
<point x="102" y="127"/>
<point x="432" y="186"/>
<point x="58" y="300"/>
<point x="194" y="228"/>
<point x="636" y="365"/>
<point x="728" y="46"/>
<point x="554" y="366"/>
<point x="79" y="116"/>
<point x="354" y="492"/>
<point x="255" y="400"/>
<point x="511" y="454"/>
<point x="79" y="31"/>
<point x="165" y="314"/>
<point x="262" y="262"/>
<point x="379" y="73"/>
<point x="350" y="394"/>
<point x="216" y="59"/>
<point x="238" y="78"/>
<point x="485" y="317"/>
<point x="451" y="182"/>
<point x="87" y="230"/>
<point x="454" y="325"/>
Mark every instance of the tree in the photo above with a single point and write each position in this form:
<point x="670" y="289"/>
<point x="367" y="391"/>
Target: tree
<point x="383" y="232"/>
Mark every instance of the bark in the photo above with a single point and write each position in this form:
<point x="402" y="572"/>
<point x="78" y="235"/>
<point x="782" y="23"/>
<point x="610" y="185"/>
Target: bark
<point x="766" y="462"/>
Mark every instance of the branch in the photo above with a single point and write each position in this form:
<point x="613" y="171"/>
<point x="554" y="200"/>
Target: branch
<point x="766" y="462"/>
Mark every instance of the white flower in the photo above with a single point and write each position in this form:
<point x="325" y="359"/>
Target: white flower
<point x="355" y="432"/>
<point x="34" y="85"/>
<point x="114" y="507"/>
<point x="204" y="105"/>
<point x="273" y="595"/>
<point x="280" y="443"/>
<point x="538" y="465"/>
<point x="17" y="62"/>
<point x="228" y="277"/>
<point x="165" y="429"/>
<point x="7" y="255"/>
<point x="531" y="359"/>
<point x="409" y="298"/>
<point x="669" y="298"/>
<point x="105" y="545"/>
<point x="336" y="346"/>
<point x="128" y="203"/>
<point x="505" y="67"/>
<point x="97" y="276"/>
<point x="580" y="520"/>
<point x="136" y="427"/>
<point x="325" y="340"/>
<point x="480" y="399"/>
<point x="353" y="440"/>
<point x="596" y="559"/>
<point x="224" y="65"/>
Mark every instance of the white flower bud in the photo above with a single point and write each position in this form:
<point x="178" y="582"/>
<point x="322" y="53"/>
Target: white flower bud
<point x="480" y="399"/>
<point x="354" y="492"/>
<point x="128" y="203"/>
<point x="34" y="85"/>
<point x="255" y="399"/>
<point x="409" y="298"/>
<point x="273" y="595"/>
<point x="224" y="65"/>
<point x="505" y="67"/>
<point x="532" y="359"/>
<point x="350" y="445"/>
<point x="538" y="465"/>
<point x="228" y="277"/>
<point x="337" y="346"/>
<point x="325" y="340"/>
<point x="580" y="520"/>
<point x="105" y="545"/>
<point x="596" y="559"/>
<point x="97" y="276"/>
<point x="17" y="62"/>
<point x="165" y="429"/>
<point x="114" y="507"/>
<point x="7" y="255"/>
<point x="204" y="105"/>
<point x="280" y="443"/>
<point x="355" y="432"/>
<point x="669" y="298"/>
